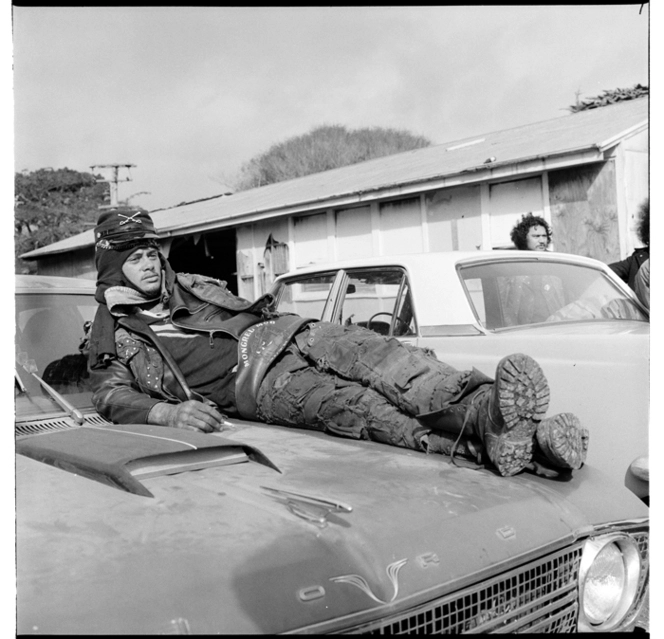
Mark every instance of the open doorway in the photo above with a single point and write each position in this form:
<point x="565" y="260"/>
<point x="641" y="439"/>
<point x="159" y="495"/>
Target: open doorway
<point x="211" y="254"/>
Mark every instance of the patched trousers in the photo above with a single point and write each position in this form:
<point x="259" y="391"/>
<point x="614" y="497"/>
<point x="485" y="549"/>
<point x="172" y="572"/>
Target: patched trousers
<point x="350" y="381"/>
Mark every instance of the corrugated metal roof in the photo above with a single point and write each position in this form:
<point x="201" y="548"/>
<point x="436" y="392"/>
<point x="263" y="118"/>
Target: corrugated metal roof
<point x="593" y="129"/>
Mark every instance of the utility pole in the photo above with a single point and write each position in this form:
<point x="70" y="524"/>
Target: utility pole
<point x="113" y="179"/>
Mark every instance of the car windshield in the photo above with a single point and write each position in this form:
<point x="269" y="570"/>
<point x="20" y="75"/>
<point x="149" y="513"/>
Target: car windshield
<point x="51" y="340"/>
<point x="505" y="294"/>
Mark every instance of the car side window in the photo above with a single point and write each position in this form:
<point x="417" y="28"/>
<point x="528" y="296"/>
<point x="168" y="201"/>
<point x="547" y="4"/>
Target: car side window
<point x="305" y="296"/>
<point x="404" y="323"/>
<point x="378" y="299"/>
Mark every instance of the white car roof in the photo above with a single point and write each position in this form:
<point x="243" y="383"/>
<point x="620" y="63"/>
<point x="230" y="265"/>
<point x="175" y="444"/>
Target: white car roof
<point x="444" y="258"/>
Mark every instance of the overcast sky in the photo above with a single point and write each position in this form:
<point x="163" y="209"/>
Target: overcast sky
<point x="190" y="94"/>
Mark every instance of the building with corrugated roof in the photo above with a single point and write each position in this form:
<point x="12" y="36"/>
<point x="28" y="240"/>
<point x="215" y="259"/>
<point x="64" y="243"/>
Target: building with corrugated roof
<point x="586" y="173"/>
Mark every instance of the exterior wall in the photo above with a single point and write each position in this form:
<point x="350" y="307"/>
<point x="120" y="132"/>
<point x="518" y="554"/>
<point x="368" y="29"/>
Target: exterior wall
<point x="354" y="233"/>
<point x="632" y="188"/>
<point x="401" y="227"/>
<point x="584" y="211"/>
<point x="262" y="253"/>
<point x="310" y="240"/>
<point x="454" y="218"/>
<point x="74" y="264"/>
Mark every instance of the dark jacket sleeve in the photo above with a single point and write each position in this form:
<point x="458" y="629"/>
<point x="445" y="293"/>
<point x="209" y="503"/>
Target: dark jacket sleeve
<point x="117" y="397"/>
<point x="622" y="268"/>
<point x="627" y="269"/>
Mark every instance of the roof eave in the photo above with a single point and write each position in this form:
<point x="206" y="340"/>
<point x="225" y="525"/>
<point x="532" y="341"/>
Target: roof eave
<point x="612" y="141"/>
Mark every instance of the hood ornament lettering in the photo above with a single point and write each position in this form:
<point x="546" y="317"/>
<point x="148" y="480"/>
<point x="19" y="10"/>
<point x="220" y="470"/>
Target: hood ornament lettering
<point x="361" y="583"/>
<point x="506" y="532"/>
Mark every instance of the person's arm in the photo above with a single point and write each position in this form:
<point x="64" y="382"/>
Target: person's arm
<point x="117" y="397"/>
<point x="621" y="268"/>
<point x="642" y="284"/>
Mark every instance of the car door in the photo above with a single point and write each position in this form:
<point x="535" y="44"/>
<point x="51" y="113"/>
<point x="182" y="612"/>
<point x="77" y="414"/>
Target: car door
<point x="377" y="298"/>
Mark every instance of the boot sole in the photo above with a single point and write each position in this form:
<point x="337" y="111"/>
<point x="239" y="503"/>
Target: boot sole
<point x="562" y="441"/>
<point x="523" y="399"/>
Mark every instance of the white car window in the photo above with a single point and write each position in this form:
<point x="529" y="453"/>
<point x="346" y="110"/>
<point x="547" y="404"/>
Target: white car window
<point x="51" y="340"/>
<point x="378" y="299"/>
<point x="305" y="296"/>
<point x="518" y="293"/>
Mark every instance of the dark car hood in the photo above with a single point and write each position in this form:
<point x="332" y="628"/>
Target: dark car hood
<point x="214" y="552"/>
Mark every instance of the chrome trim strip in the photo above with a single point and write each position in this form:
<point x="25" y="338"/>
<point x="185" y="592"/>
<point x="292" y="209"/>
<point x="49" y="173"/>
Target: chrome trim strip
<point x="126" y="432"/>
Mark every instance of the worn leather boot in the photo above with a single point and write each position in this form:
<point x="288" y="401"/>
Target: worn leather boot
<point x="450" y="444"/>
<point x="505" y="415"/>
<point x="561" y="441"/>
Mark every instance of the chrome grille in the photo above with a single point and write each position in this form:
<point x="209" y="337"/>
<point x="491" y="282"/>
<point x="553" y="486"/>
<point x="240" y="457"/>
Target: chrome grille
<point x="96" y="420"/>
<point x="37" y="426"/>
<point x="540" y="597"/>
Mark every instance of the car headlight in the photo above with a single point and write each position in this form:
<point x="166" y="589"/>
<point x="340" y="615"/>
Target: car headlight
<point x="608" y="581"/>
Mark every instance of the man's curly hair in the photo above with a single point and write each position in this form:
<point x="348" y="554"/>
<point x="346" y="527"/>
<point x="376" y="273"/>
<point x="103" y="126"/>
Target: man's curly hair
<point x="519" y="233"/>
<point x="643" y="229"/>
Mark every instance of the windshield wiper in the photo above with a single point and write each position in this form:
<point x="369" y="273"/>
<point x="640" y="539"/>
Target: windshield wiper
<point x="30" y="367"/>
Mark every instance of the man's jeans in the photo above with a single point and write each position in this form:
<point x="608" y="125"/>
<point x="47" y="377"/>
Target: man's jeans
<point x="353" y="382"/>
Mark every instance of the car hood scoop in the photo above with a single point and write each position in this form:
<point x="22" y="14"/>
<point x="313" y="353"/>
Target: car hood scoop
<point x="120" y="455"/>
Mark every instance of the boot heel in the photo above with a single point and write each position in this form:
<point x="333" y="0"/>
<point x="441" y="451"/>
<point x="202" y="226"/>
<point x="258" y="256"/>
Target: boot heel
<point x="562" y="441"/>
<point x="509" y="457"/>
<point x="519" y="400"/>
<point x="523" y="393"/>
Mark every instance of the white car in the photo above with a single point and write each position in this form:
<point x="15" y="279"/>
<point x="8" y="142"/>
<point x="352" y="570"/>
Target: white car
<point x="582" y="324"/>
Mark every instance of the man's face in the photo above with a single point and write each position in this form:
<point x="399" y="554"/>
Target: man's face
<point x="537" y="239"/>
<point x="143" y="269"/>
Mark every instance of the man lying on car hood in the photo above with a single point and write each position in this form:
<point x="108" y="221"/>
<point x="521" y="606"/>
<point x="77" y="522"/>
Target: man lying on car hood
<point x="181" y="350"/>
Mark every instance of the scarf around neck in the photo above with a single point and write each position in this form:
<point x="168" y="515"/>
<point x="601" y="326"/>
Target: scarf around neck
<point x="118" y="300"/>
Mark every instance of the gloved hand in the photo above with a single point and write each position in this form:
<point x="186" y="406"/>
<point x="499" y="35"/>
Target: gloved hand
<point x="190" y="415"/>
